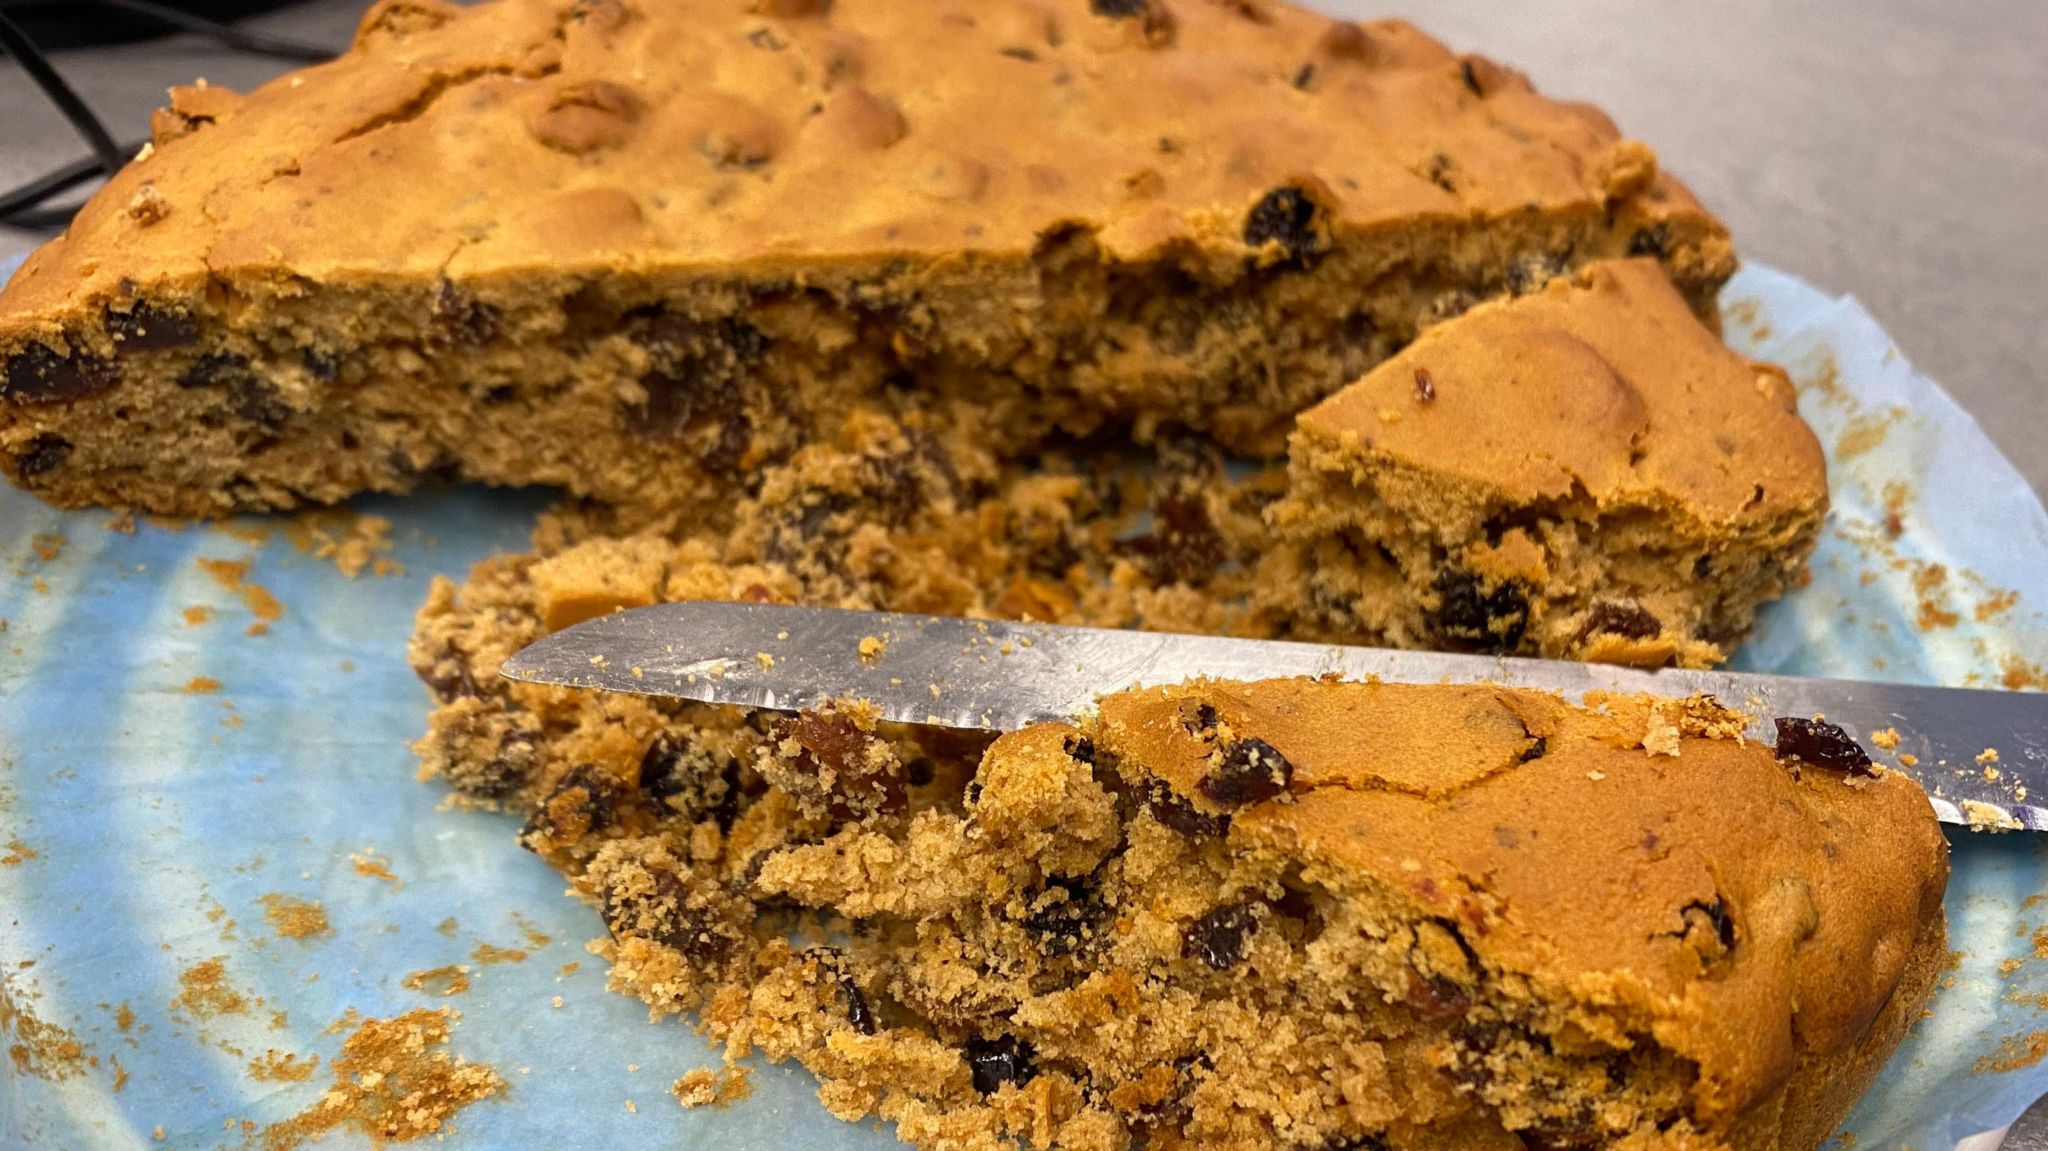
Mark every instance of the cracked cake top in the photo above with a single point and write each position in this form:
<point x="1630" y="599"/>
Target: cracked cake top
<point x="611" y="135"/>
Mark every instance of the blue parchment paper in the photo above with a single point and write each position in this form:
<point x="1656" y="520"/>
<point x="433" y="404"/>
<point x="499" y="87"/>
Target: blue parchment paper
<point x="142" y="824"/>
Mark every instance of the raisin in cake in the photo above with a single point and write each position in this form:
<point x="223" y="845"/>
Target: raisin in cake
<point x="1584" y="471"/>
<point x="636" y="250"/>
<point x="1287" y="914"/>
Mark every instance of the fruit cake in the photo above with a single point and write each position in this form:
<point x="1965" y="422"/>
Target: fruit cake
<point x="637" y="251"/>
<point x="1299" y="914"/>
<point x="1585" y="471"/>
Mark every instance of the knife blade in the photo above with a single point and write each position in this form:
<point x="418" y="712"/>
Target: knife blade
<point x="1982" y="756"/>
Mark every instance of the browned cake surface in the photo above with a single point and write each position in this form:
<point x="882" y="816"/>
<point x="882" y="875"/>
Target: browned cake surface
<point x="1281" y="914"/>
<point x="1586" y="471"/>
<point x="637" y="250"/>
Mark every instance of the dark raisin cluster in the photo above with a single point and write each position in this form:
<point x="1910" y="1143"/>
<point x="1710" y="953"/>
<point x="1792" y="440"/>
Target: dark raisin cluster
<point x="1817" y="743"/>
<point x="1470" y="614"/>
<point x="1249" y="771"/>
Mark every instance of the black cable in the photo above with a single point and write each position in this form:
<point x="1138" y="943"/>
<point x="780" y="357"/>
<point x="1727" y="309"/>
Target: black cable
<point x="39" y="69"/>
<point x="229" y="35"/>
<point x="18" y="200"/>
<point x="21" y="206"/>
<point x="41" y="219"/>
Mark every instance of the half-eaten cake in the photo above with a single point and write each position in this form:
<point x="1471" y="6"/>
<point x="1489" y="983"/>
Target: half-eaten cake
<point x="640" y="250"/>
<point x="1300" y="914"/>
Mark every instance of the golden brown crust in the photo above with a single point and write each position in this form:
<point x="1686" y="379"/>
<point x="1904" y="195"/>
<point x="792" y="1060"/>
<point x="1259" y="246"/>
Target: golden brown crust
<point x="585" y="244"/>
<point x="1601" y="388"/>
<point x="709" y="134"/>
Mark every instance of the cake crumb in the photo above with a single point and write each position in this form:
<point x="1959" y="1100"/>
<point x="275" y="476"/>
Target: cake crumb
<point x="766" y="661"/>
<point x="452" y="979"/>
<point x="373" y="865"/>
<point x="1983" y="816"/>
<point x="282" y="1067"/>
<point x="157" y="1133"/>
<point x="1887" y="739"/>
<point x="872" y="647"/>
<point x="294" y="918"/>
<point x="204" y="991"/>
<point x="1988" y="755"/>
<point x="2016" y="674"/>
<point x="556" y="1002"/>
<point x="48" y="545"/>
<point x="232" y="576"/>
<point x="18" y="853"/>
<point x="197" y="614"/>
<point x="697" y="1088"/>
<point x="2014" y="1053"/>
<point x="1661" y="735"/>
<point x="38" y="1048"/>
<point x="489" y="953"/>
<point x="392" y="1084"/>
<point x="1908" y="759"/>
<point x="356" y="542"/>
<point x="202" y="685"/>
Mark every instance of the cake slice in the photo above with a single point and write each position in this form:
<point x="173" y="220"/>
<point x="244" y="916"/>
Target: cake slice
<point x="1285" y="914"/>
<point x="638" y="251"/>
<point x="1585" y="471"/>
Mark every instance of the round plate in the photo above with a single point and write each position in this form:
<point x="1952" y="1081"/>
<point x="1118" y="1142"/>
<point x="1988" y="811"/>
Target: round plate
<point x="149" y="826"/>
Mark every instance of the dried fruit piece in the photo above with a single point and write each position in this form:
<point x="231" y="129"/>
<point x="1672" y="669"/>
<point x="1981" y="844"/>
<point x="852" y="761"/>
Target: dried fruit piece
<point x="44" y="453"/>
<point x="1171" y="808"/>
<point x="1818" y="743"/>
<point x="39" y="375"/>
<point x="583" y="802"/>
<point x="687" y="779"/>
<point x="1251" y="771"/>
<point x="1628" y="620"/>
<point x="1287" y="217"/>
<point x="147" y="327"/>
<point x="1063" y="915"/>
<point x="994" y="1062"/>
<point x="1469" y="613"/>
<point x="656" y="904"/>
<point x="1218" y="938"/>
<point x="830" y="766"/>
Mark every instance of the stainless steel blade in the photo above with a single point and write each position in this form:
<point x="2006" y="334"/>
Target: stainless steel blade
<point x="1000" y="676"/>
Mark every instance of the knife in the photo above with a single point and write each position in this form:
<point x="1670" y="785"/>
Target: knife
<point x="1982" y="756"/>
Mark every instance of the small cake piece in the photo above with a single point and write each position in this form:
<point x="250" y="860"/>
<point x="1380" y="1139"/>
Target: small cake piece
<point x="1583" y="472"/>
<point x="639" y="250"/>
<point x="1284" y="914"/>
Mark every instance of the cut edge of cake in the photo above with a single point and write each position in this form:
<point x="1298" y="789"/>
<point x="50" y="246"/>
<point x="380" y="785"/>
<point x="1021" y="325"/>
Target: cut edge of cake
<point x="1291" y="913"/>
<point x="1582" y="472"/>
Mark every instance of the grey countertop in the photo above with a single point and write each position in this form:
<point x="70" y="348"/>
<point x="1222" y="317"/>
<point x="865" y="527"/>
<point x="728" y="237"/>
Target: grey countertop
<point x="1894" y="151"/>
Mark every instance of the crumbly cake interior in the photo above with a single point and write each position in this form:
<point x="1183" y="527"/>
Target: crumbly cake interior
<point x="1293" y="914"/>
<point x="645" y="250"/>
<point x="1582" y="472"/>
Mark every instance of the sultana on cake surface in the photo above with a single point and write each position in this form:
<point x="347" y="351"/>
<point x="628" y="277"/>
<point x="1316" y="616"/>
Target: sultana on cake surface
<point x="1279" y="914"/>
<point x="640" y="250"/>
